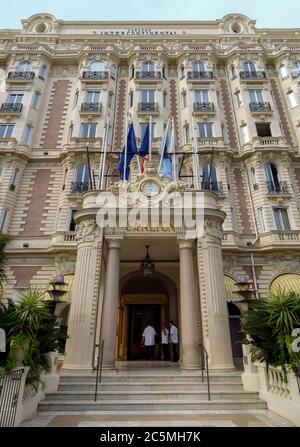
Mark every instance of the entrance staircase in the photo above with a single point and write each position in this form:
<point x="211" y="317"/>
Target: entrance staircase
<point x="143" y="389"/>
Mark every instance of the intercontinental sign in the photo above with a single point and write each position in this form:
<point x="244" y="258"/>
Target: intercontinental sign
<point x="138" y="32"/>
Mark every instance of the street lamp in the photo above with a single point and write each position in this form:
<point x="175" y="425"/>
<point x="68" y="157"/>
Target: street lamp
<point x="244" y="286"/>
<point x="147" y="265"/>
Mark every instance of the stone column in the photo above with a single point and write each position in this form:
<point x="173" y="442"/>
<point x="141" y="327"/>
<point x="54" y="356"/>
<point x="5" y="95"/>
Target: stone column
<point x="190" y="352"/>
<point x="81" y="327"/>
<point x="213" y="304"/>
<point x="110" y="303"/>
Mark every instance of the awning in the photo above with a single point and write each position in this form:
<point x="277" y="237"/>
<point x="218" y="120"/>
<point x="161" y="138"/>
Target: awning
<point x="287" y="282"/>
<point x="230" y="288"/>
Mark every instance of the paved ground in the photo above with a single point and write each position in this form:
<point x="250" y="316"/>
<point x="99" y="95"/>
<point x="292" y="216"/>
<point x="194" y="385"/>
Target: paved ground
<point x="251" y="418"/>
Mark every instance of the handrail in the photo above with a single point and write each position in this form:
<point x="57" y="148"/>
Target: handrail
<point x="99" y="367"/>
<point x="204" y="366"/>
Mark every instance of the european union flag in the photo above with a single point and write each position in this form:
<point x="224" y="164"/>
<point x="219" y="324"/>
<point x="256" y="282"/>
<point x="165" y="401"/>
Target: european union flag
<point x="144" y="150"/>
<point x="131" y="151"/>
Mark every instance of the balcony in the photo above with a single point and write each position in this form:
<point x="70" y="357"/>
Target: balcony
<point x="82" y="143"/>
<point x="296" y="74"/>
<point x="212" y="186"/>
<point x="200" y="75"/>
<point x="260" y="107"/>
<point x="64" y="238"/>
<point x="269" y="142"/>
<point x="148" y="76"/>
<point x="94" y="77"/>
<point x="148" y="107"/>
<point x="80" y="187"/>
<point x="20" y="76"/>
<point x="277" y="187"/>
<point x="11" y="108"/>
<point x="8" y="144"/>
<point x="210" y="142"/>
<point x="277" y="238"/>
<point x="204" y="107"/>
<point x="253" y="75"/>
<point x="91" y="108"/>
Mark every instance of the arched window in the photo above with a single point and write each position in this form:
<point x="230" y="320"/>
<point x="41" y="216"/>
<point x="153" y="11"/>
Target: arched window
<point x="24" y="66"/>
<point x="132" y="72"/>
<point x="97" y="66"/>
<point x="43" y="72"/>
<point x="232" y="72"/>
<point x="272" y="177"/>
<point x="296" y="65"/>
<point x="181" y="71"/>
<point x="249" y="67"/>
<point x="82" y="178"/>
<point x="148" y="67"/>
<point x="198" y="66"/>
<point x="210" y="180"/>
<point x="113" y="72"/>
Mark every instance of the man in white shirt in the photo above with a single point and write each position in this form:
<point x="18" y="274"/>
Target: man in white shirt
<point x="165" y="341"/>
<point x="148" y="340"/>
<point x="174" y="341"/>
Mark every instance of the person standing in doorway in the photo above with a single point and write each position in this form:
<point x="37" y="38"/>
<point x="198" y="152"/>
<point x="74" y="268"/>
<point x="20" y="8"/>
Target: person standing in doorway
<point x="148" y="340"/>
<point x="165" y="341"/>
<point x="174" y="341"/>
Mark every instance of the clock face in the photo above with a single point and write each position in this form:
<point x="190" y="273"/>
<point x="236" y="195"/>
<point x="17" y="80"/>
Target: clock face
<point x="150" y="189"/>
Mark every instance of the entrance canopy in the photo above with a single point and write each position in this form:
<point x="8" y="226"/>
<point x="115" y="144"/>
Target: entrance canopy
<point x="287" y="282"/>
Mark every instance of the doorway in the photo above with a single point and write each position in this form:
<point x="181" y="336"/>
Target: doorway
<point x="236" y="335"/>
<point x="139" y="316"/>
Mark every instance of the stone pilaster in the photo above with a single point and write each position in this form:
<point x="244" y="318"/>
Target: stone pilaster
<point x="213" y="304"/>
<point x="190" y="353"/>
<point x="80" y="344"/>
<point x="110" y="303"/>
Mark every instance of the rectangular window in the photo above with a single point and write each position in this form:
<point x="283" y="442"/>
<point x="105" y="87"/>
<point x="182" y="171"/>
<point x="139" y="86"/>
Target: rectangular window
<point x="14" y="179"/>
<point x="245" y="134"/>
<point x="88" y="130"/>
<point x="36" y="100"/>
<point x="256" y="96"/>
<point x="283" y="71"/>
<point x="205" y="130"/>
<point x="92" y="96"/>
<point x="281" y="219"/>
<point x="262" y="220"/>
<point x="165" y="96"/>
<point x="183" y="100"/>
<point x="71" y="221"/>
<point x="147" y="96"/>
<point x="15" y="97"/>
<point x="292" y="100"/>
<point x="6" y="130"/>
<point x="143" y="127"/>
<point x="4" y="219"/>
<point x="110" y="98"/>
<point x="186" y="134"/>
<point x="131" y="99"/>
<point x="76" y="99"/>
<point x="201" y="96"/>
<point x="238" y="99"/>
<point x="27" y="135"/>
<point x="263" y="129"/>
<point x="233" y="222"/>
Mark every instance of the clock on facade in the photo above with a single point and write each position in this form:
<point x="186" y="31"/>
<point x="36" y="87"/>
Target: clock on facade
<point x="150" y="188"/>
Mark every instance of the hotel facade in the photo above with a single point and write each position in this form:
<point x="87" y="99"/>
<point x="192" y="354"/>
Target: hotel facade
<point x="66" y="92"/>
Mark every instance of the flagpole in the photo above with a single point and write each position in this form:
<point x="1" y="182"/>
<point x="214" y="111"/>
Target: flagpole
<point x="137" y="155"/>
<point x="105" y="152"/>
<point x="173" y="146"/>
<point x="163" y="144"/>
<point x="195" y="157"/>
<point x="150" y="137"/>
<point x="125" y="151"/>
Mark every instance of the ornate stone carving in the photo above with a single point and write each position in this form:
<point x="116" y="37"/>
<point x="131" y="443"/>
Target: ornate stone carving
<point x="286" y="264"/>
<point x="212" y="231"/>
<point x="86" y="231"/>
<point x="64" y="265"/>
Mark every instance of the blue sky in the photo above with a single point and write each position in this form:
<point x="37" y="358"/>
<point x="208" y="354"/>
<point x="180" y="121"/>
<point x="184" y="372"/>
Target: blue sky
<point x="268" y="13"/>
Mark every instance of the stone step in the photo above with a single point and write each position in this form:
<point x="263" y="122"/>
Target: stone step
<point x="150" y="405"/>
<point x="145" y="386"/>
<point x="150" y="395"/>
<point x="230" y="377"/>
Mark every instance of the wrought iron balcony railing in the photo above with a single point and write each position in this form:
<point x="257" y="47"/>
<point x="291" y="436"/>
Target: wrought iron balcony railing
<point x="260" y="107"/>
<point x="296" y="74"/>
<point x="253" y="75"/>
<point x="21" y="75"/>
<point x="277" y="187"/>
<point x="11" y="107"/>
<point x="204" y="107"/>
<point x="200" y="75"/>
<point x="148" y="75"/>
<point x="95" y="75"/>
<point x="212" y="186"/>
<point x="91" y="107"/>
<point x="80" y="187"/>
<point x="148" y="107"/>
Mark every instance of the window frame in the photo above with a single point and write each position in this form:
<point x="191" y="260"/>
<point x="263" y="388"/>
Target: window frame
<point x="89" y="126"/>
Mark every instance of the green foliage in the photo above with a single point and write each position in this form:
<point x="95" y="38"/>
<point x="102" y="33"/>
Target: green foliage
<point x="31" y="333"/>
<point x="4" y="238"/>
<point x="268" y="326"/>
